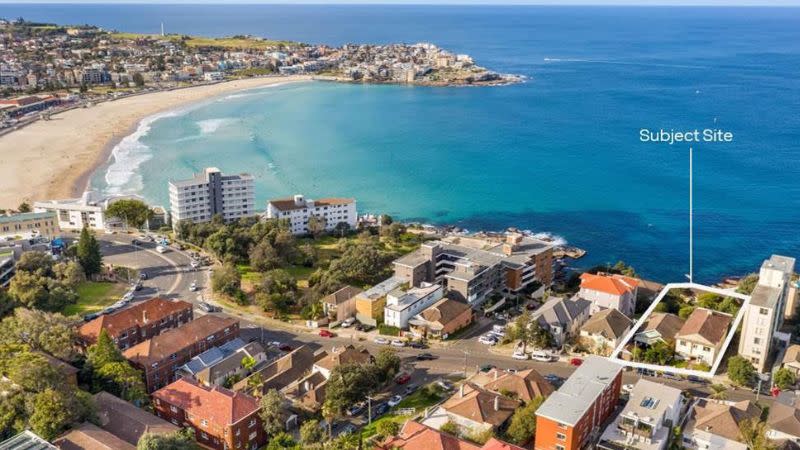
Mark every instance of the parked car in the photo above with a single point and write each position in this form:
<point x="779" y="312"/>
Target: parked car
<point x="426" y="357"/>
<point x="521" y="356"/>
<point x="410" y="388"/>
<point x="347" y="429"/>
<point x="347" y="323"/>
<point x="487" y="340"/>
<point x="193" y="286"/>
<point x="541" y="356"/>
<point x="161" y="249"/>
<point x="487" y="367"/>
<point x="381" y="340"/>
<point x="394" y="401"/>
<point x="417" y="345"/>
<point x="403" y="378"/>
<point x="91" y="316"/>
<point x="325" y="333"/>
<point x="379" y="410"/>
<point x="142" y="275"/>
<point x="554" y="379"/>
<point x="575" y="362"/>
<point x="499" y="328"/>
<point x="444" y="384"/>
<point x="195" y="264"/>
<point x="398" y="343"/>
<point x="356" y="409"/>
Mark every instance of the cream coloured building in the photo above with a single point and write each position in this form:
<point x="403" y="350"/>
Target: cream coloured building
<point x="210" y="193"/>
<point x="298" y="210"/>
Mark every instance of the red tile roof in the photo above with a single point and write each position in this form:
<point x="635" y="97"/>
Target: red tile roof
<point x="416" y="436"/>
<point x="217" y="405"/>
<point x="610" y="284"/>
<point x="706" y="325"/>
<point x="496" y="444"/>
<point x="115" y="323"/>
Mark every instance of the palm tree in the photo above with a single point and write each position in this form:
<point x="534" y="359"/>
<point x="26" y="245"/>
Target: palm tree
<point x="720" y="392"/>
<point x="754" y="434"/>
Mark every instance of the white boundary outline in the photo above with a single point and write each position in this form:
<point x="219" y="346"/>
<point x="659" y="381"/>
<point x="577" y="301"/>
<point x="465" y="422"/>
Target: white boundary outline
<point x="676" y="370"/>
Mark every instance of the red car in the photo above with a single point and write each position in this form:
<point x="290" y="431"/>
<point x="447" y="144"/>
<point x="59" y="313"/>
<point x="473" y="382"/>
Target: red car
<point x="576" y="362"/>
<point x="325" y="333"/>
<point x="403" y="378"/>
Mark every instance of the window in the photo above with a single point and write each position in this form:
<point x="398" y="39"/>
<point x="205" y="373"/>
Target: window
<point x="562" y="426"/>
<point x="561" y="436"/>
<point x="173" y="409"/>
<point x="203" y="423"/>
<point x="560" y="447"/>
<point x="252" y="423"/>
<point x="756" y="341"/>
<point x="763" y="311"/>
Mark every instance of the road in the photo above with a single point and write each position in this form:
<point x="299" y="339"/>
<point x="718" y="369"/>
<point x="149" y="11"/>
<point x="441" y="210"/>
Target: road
<point x="170" y="276"/>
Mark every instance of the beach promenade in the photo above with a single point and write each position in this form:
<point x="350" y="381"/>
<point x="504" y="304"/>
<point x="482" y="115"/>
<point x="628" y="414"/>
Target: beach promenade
<point x="55" y="158"/>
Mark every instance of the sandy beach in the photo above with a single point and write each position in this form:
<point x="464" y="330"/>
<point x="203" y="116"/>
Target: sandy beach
<point x="54" y="159"/>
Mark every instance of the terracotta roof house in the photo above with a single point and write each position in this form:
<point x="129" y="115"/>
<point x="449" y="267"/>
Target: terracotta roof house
<point x="715" y="425"/>
<point x="784" y="417"/>
<point x="126" y="421"/>
<point x="138" y="322"/>
<point x="605" y="330"/>
<point x="161" y="356"/>
<point x="221" y="418"/>
<point x="659" y="327"/>
<point x="478" y="409"/>
<point x="416" y="436"/>
<point x="525" y="384"/>
<point x="308" y="392"/>
<point x="348" y="354"/>
<point x="281" y="372"/>
<point x="441" y="319"/>
<point x="496" y="444"/>
<point x="791" y="359"/>
<point x="88" y="436"/>
<point x="562" y="318"/>
<point x="609" y="291"/>
<point x="703" y="334"/>
<point x="341" y="304"/>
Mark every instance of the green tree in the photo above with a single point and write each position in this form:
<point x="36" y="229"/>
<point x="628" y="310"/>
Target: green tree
<point x="521" y="330"/>
<point x="123" y="380"/>
<point x="686" y="311"/>
<point x="747" y="284"/>
<point x="70" y="273"/>
<point x="226" y="280"/>
<point x="388" y="363"/>
<point x="740" y="370"/>
<point x="281" y="441"/>
<point x="264" y="257"/>
<point x="88" y="253"/>
<point x="785" y="378"/>
<point x="179" y="440"/>
<point x="12" y="415"/>
<point x="53" y="411"/>
<point x="138" y="79"/>
<point x="33" y="372"/>
<point x="36" y="262"/>
<point x="540" y="337"/>
<point x="271" y="413"/>
<point x="248" y="362"/>
<point x="720" y="392"/>
<point x="386" y="428"/>
<point x="24" y="207"/>
<point x="523" y="422"/>
<point x="659" y="353"/>
<point x="316" y="225"/>
<point x="39" y="330"/>
<point x="103" y="351"/>
<point x="754" y="434"/>
<point x="132" y="212"/>
<point x="311" y="432"/>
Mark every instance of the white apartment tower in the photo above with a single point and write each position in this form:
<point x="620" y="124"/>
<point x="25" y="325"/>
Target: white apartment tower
<point x="764" y="315"/>
<point x="210" y="193"/>
<point x="298" y="209"/>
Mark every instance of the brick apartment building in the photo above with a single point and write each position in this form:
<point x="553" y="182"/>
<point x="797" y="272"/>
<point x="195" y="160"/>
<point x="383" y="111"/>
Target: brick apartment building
<point x="221" y="419"/>
<point x="574" y="415"/>
<point x="137" y="323"/>
<point x="161" y="356"/>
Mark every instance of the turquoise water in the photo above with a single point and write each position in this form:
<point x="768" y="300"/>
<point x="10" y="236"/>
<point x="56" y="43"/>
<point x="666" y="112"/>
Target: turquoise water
<point x="559" y="153"/>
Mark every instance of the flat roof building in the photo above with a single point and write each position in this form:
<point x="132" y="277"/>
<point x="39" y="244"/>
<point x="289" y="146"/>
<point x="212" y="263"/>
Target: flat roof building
<point x="211" y="193"/>
<point x="29" y="225"/>
<point x="298" y="210"/>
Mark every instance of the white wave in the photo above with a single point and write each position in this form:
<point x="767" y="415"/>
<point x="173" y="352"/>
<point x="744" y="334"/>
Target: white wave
<point x="625" y="63"/>
<point x="210" y="126"/>
<point x="129" y="154"/>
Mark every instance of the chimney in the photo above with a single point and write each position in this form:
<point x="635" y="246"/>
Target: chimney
<point x="495" y="374"/>
<point x="461" y="390"/>
<point x="508" y="249"/>
<point x="497" y="403"/>
<point x="144" y="316"/>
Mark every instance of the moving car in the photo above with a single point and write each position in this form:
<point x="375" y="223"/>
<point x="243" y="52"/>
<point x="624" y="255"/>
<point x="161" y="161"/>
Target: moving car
<point x="380" y="340"/>
<point x="394" y="401"/>
<point x="426" y="357"/>
<point x="325" y="333"/>
<point x="403" y="378"/>
<point x="575" y="362"/>
<point x="398" y="343"/>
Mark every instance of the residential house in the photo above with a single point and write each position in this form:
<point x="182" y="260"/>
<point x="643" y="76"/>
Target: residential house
<point x="783" y="422"/>
<point x="69" y="372"/>
<point x="370" y="303"/>
<point x="791" y="359"/>
<point x="138" y="322"/>
<point x="714" y="425"/>
<point x="562" y="318"/>
<point x="279" y="373"/>
<point x="570" y="418"/>
<point x="472" y="268"/>
<point x="298" y="210"/>
<point x="416" y="436"/>
<point x="126" y="421"/>
<point x="442" y="319"/>
<point x="524" y="385"/>
<point x="474" y="410"/>
<point x="341" y="305"/>
<point x="660" y="327"/>
<point x="160" y="356"/>
<point x="221" y="419"/>
<point x="403" y="304"/>
<point x="763" y="317"/>
<point x="326" y="362"/>
<point x="308" y="392"/>
<point x="646" y="422"/>
<point x="605" y="330"/>
<point x="89" y="436"/>
<point x="215" y="365"/>
<point x="702" y="336"/>
<point x="609" y="291"/>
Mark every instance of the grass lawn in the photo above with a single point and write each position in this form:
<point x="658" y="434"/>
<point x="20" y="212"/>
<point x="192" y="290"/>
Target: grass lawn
<point x="94" y="296"/>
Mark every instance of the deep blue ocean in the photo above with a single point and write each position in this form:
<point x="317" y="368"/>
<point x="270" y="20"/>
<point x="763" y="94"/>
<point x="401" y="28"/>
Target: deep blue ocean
<point x="560" y="153"/>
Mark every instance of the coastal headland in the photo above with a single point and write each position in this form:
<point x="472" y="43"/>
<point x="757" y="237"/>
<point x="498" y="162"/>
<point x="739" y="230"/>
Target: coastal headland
<point x="55" y="158"/>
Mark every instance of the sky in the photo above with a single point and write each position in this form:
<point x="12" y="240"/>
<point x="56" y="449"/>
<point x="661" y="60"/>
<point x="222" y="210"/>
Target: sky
<point x="451" y="2"/>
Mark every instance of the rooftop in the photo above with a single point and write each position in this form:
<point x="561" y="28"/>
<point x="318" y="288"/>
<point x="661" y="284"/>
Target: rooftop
<point x="416" y="436"/>
<point x="342" y="295"/>
<point x="609" y="323"/>
<point x="569" y="403"/>
<point x="706" y="325"/>
<point x="27" y="440"/>
<point x="343" y="355"/>
<point x="765" y="296"/>
<point x="608" y="283"/>
<point x="480" y="405"/>
<point x="90" y="436"/>
<point x="158" y="348"/>
<point x="138" y="314"/>
<point x="126" y="421"/>
<point x="783" y="263"/>
<point x="407" y="298"/>
<point x="21" y="217"/>
<point x="443" y="312"/>
<point x="381" y="289"/>
<point x="527" y="384"/>
<point x="720" y="418"/>
<point x="218" y="405"/>
<point x="213" y="355"/>
<point x="290" y="204"/>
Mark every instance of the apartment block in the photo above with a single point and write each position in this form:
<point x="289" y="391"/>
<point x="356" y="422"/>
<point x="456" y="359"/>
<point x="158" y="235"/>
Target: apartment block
<point x="298" y="210"/>
<point x="161" y="356"/>
<point x="572" y="416"/>
<point x="138" y="322"/>
<point x="75" y="214"/>
<point x="29" y="225"/>
<point x="209" y="193"/>
<point x="474" y="267"/>
<point x="764" y="315"/>
<point x="221" y="419"/>
<point x="609" y="291"/>
<point x="403" y="304"/>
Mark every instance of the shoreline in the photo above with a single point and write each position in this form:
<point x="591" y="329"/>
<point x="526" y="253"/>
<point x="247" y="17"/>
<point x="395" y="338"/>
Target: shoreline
<point x="56" y="159"/>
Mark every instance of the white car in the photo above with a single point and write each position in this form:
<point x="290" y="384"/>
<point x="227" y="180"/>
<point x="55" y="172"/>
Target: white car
<point x="398" y="343"/>
<point x="541" y="356"/>
<point x="161" y="249"/>
<point x="522" y="356"/>
<point x="487" y="340"/>
<point x="498" y="334"/>
<point x="499" y="329"/>
<point x="193" y="286"/>
<point x="394" y="401"/>
<point x="380" y="340"/>
<point x="347" y="323"/>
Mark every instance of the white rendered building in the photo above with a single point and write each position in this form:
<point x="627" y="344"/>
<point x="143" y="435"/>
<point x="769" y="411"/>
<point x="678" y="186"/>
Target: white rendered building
<point x="75" y="213"/>
<point x="210" y="193"/>
<point x="402" y="305"/>
<point x="298" y="210"/>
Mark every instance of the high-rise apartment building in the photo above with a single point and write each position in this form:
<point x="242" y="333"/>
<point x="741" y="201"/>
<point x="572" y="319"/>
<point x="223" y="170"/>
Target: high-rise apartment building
<point x="210" y="193"/>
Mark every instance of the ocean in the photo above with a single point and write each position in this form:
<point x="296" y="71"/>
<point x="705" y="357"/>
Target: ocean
<point x="559" y="153"/>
